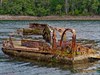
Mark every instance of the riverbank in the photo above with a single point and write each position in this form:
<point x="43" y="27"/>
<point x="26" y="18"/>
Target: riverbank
<point x="5" y="17"/>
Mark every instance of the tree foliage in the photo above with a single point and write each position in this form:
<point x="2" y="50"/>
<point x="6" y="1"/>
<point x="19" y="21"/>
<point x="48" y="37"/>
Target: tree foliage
<point x="49" y="7"/>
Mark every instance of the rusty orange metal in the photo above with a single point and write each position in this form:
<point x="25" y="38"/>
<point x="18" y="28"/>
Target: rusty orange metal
<point x="51" y="45"/>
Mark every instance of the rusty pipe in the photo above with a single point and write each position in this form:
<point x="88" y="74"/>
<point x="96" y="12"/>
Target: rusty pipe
<point x="73" y="38"/>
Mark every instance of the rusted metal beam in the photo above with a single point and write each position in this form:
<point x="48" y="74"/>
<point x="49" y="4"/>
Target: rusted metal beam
<point x="73" y="45"/>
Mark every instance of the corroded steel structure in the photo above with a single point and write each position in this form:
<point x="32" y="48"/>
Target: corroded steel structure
<point x="49" y="47"/>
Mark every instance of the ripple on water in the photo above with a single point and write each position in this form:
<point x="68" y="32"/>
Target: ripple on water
<point x="85" y="30"/>
<point x="22" y="69"/>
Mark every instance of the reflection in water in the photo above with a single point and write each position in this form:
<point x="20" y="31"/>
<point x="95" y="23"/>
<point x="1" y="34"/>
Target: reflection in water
<point x="87" y="32"/>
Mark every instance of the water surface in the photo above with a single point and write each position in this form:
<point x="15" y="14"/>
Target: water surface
<point x="88" y="30"/>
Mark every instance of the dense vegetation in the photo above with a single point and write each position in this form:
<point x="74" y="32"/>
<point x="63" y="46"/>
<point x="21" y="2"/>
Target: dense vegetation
<point x="49" y="7"/>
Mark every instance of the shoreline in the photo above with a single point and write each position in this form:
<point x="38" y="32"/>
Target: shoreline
<point x="7" y="17"/>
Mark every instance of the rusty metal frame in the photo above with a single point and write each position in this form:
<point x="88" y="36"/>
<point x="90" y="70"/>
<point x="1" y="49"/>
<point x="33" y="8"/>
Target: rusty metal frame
<point x="73" y="38"/>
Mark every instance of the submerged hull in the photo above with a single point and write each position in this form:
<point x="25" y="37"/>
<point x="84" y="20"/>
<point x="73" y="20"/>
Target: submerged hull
<point x="28" y="55"/>
<point x="35" y="56"/>
<point x="44" y="57"/>
<point x="48" y="47"/>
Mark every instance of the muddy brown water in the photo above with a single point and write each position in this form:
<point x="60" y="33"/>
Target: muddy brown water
<point x="88" y="32"/>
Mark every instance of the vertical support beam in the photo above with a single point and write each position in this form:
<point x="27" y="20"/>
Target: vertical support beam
<point x="73" y="40"/>
<point x="54" y="45"/>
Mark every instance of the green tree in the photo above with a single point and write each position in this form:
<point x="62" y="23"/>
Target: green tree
<point x="58" y="9"/>
<point x="95" y="6"/>
<point x="50" y="7"/>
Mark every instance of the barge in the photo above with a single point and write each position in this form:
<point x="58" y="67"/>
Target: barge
<point x="41" y="42"/>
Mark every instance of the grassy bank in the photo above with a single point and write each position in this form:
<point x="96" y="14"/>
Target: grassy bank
<point x="5" y="17"/>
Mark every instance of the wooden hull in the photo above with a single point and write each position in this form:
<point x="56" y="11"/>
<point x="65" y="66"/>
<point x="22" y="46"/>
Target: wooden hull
<point x="27" y="55"/>
<point x="43" y="57"/>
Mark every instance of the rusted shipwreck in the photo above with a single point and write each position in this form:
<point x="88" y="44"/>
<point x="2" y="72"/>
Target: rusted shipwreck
<point x="44" y="45"/>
